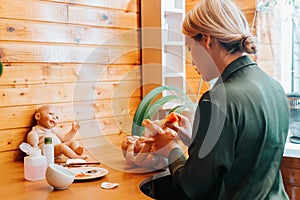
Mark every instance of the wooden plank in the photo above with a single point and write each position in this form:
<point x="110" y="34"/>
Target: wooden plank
<point x="191" y="72"/>
<point x="290" y="170"/>
<point x="105" y="126"/>
<point x="291" y="176"/>
<point x="22" y="116"/>
<point x="23" y="52"/>
<point x="11" y="156"/>
<point x="290" y="162"/>
<point x="102" y="17"/>
<point x="293" y="192"/>
<point x="67" y="13"/>
<point x="42" y="94"/>
<point x="16" y="30"/>
<point x="189" y="5"/>
<point x="33" y="10"/>
<point x="11" y="139"/>
<point x="16" y="117"/>
<point x="245" y="4"/>
<point x="192" y="86"/>
<point x="115" y="4"/>
<point x="32" y="73"/>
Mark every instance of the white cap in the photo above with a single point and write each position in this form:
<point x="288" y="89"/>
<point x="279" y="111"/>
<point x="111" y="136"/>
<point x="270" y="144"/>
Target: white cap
<point x="35" y="152"/>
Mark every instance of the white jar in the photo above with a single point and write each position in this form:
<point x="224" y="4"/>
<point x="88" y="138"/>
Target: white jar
<point x="35" y="165"/>
<point x="48" y="150"/>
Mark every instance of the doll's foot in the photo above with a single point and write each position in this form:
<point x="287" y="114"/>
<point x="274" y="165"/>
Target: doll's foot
<point x="84" y="156"/>
<point x="79" y="150"/>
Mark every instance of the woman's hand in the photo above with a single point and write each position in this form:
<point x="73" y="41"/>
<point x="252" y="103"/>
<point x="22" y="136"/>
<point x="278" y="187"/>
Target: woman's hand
<point x="183" y="128"/>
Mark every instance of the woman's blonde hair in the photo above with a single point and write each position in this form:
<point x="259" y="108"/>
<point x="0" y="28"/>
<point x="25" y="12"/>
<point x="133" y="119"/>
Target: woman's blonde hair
<point x="223" y="20"/>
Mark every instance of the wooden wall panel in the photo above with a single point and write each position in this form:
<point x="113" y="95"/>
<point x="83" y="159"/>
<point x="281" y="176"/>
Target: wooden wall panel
<point x="16" y="30"/>
<point x="290" y="169"/>
<point x="24" y="74"/>
<point x="115" y="4"/>
<point x="81" y="55"/>
<point x="35" y="94"/>
<point x="17" y="52"/>
<point x="102" y="17"/>
<point x="22" y="116"/>
<point x="34" y="10"/>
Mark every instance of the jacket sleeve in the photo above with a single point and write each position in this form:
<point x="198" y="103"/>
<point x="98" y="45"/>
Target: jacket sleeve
<point x="211" y="154"/>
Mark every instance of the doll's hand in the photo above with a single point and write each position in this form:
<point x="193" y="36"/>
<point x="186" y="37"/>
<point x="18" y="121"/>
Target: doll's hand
<point x="75" y="126"/>
<point x="183" y="128"/>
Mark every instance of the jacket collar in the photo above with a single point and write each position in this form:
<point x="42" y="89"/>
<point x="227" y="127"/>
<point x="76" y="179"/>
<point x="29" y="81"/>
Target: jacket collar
<point x="241" y="62"/>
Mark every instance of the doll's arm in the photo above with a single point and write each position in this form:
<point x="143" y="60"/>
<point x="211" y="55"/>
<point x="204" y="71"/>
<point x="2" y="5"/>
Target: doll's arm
<point x="130" y="154"/>
<point x="154" y="128"/>
<point x="33" y="139"/>
<point x="69" y="135"/>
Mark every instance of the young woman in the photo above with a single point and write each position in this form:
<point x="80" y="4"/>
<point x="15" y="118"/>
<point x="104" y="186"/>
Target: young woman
<point x="237" y="141"/>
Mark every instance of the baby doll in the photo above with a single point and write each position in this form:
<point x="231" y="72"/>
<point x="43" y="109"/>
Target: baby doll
<point x="140" y="151"/>
<point x="46" y="119"/>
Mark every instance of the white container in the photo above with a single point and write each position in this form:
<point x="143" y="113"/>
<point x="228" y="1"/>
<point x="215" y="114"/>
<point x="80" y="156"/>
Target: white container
<point x="59" y="177"/>
<point x="35" y="165"/>
<point x="48" y="150"/>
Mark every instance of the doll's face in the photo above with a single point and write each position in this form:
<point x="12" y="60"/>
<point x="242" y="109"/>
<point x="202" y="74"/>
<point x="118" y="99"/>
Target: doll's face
<point x="47" y="116"/>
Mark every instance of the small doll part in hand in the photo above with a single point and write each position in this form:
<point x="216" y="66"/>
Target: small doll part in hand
<point x="138" y="151"/>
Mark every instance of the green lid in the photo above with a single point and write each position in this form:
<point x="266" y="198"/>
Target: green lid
<point x="48" y="140"/>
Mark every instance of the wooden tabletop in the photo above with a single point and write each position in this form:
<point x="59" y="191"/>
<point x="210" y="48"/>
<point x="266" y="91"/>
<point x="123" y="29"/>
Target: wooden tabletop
<point x="14" y="186"/>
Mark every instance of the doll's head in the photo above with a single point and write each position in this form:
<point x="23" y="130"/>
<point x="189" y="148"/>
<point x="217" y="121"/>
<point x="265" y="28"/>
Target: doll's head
<point x="46" y="116"/>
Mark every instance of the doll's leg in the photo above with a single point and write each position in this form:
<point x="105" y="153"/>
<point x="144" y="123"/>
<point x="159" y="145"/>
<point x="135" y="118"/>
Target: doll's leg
<point x="144" y="157"/>
<point x="76" y="146"/>
<point x="130" y="154"/>
<point x="64" y="149"/>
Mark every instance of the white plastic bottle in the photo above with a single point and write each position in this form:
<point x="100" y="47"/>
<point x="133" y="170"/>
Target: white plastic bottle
<point x="35" y="165"/>
<point x="48" y="150"/>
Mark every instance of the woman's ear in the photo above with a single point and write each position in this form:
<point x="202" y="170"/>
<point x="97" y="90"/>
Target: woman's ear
<point x="207" y="40"/>
<point x="37" y="116"/>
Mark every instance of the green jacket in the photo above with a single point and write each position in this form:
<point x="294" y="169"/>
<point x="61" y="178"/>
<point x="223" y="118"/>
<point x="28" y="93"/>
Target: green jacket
<point x="239" y="133"/>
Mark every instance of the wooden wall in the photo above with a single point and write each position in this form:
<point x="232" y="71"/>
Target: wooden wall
<point x="81" y="55"/>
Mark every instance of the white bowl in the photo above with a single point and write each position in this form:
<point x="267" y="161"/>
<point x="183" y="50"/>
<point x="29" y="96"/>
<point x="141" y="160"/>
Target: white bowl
<point x="59" y="177"/>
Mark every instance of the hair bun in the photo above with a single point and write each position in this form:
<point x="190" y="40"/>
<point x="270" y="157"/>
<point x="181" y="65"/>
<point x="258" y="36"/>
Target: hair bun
<point x="248" y="45"/>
